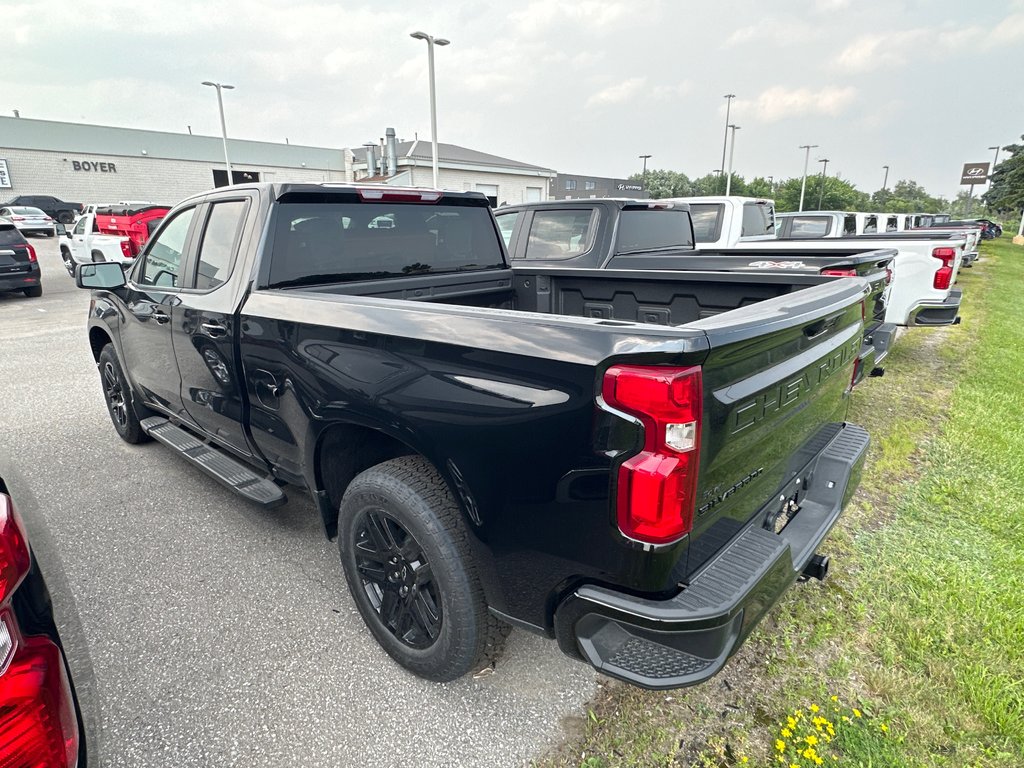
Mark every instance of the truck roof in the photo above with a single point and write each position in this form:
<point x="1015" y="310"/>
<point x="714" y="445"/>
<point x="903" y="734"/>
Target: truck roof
<point x="279" y="189"/>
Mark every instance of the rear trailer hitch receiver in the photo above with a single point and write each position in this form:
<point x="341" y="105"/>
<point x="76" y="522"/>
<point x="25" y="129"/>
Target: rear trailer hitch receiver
<point x="816" y="568"/>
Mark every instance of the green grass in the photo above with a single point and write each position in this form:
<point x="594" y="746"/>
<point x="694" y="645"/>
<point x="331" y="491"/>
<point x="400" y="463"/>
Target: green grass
<point x="921" y="625"/>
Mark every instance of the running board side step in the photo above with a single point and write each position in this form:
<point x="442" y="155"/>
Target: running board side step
<point x="221" y="467"/>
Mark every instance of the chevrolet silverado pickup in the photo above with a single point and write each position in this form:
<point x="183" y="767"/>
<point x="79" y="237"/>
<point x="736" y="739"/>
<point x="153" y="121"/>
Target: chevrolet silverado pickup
<point x="625" y="234"/>
<point x="635" y="463"/>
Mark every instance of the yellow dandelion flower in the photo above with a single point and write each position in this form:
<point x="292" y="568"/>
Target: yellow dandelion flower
<point x="814" y="707"/>
<point x="811" y="740"/>
<point x="744" y="759"/>
<point x="856" y="712"/>
<point x="791" y="722"/>
<point x="785" y="733"/>
<point x="780" y="745"/>
<point x="834" y="698"/>
<point x="846" y="719"/>
<point x="884" y="728"/>
<point x="799" y="713"/>
<point x="809" y="753"/>
<point x="818" y="760"/>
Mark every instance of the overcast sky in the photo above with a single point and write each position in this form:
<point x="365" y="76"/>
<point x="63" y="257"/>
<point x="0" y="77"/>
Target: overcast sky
<point x="582" y="87"/>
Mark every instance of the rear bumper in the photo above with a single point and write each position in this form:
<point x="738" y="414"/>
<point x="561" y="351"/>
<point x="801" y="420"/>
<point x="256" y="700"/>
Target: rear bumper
<point x="661" y="644"/>
<point x="938" y="313"/>
<point x="16" y="281"/>
<point x="881" y="338"/>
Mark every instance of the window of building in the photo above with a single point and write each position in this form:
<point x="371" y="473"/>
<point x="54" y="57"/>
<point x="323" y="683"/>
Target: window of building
<point x="570" y="184"/>
<point x="590" y="185"/>
<point x="533" y="194"/>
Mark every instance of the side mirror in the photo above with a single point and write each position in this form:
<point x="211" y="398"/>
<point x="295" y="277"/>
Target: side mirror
<point x="105" y="274"/>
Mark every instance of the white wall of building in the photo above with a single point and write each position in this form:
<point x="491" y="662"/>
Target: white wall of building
<point x="38" y="172"/>
<point x="512" y="188"/>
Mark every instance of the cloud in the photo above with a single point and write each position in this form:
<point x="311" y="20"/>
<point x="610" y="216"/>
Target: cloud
<point x="618" y="93"/>
<point x="894" y="49"/>
<point x="541" y="17"/>
<point x="778" y="103"/>
<point x="786" y="32"/>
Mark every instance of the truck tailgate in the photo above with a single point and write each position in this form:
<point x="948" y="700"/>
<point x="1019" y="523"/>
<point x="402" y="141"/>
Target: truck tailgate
<point x="775" y="387"/>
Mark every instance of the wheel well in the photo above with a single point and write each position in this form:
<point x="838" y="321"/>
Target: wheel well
<point x="346" y="450"/>
<point x="96" y="253"/>
<point x="98" y="339"/>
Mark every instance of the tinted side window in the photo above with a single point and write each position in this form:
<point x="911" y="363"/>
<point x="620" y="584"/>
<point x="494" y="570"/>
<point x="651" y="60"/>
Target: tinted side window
<point x="220" y="239"/>
<point x="653" y="230"/>
<point x="506" y="223"/>
<point x="756" y="220"/>
<point x="707" y="221"/>
<point x="850" y="225"/>
<point x="80" y="226"/>
<point x="870" y="225"/>
<point x="560" y="234"/>
<point x="162" y="263"/>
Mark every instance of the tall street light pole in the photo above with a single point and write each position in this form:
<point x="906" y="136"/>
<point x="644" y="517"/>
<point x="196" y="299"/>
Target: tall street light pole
<point x="725" y="139"/>
<point x="645" y="158"/>
<point x="223" y="126"/>
<point x="885" y="181"/>
<point x="803" y="184"/>
<point x="431" y="42"/>
<point x="821" y="192"/>
<point x="732" y="149"/>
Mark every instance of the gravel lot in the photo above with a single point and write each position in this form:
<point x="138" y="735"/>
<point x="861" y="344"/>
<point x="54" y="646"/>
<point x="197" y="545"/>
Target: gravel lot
<point x="223" y="634"/>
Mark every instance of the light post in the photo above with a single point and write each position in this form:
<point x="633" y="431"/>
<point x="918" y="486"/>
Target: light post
<point x="732" y="149"/>
<point x="223" y="126"/>
<point x="995" y="160"/>
<point x="725" y="139"/>
<point x="431" y="42"/>
<point x="803" y="184"/>
<point x="821" y="192"/>
<point x="645" y="158"/>
<point x="885" y="181"/>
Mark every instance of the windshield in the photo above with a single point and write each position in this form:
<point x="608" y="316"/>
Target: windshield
<point x="26" y="211"/>
<point x="654" y="230"/>
<point x="316" y="243"/>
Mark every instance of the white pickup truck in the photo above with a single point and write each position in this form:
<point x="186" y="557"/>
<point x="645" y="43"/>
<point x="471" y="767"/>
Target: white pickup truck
<point x="109" y="233"/>
<point x="725" y="222"/>
<point x="836" y="224"/>
<point x="925" y="268"/>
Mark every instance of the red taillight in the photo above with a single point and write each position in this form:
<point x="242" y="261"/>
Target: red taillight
<point x="38" y="726"/>
<point x="840" y="272"/>
<point x="31" y="252"/>
<point x="888" y="275"/>
<point x="128" y="249"/>
<point x="17" y="218"/>
<point x="657" y="487"/>
<point x="944" y="274"/>
<point x="400" y="195"/>
<point x="14" y="556"/>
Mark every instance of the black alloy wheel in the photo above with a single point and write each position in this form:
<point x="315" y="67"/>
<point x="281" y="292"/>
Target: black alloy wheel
<point x="397" y="579"/>
<point x="119" y="398"/>
<point x="412" y="573"/>
<point x="65" y="217"/>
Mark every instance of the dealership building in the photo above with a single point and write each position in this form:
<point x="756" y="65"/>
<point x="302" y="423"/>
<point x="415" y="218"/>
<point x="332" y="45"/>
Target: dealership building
<point x="98" y="164"/>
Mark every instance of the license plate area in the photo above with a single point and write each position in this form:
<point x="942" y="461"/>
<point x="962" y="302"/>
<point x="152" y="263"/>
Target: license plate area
<point x="785" y="507"/>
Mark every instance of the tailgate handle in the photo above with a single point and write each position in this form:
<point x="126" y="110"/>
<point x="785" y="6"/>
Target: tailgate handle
<point x="815" y="329"/>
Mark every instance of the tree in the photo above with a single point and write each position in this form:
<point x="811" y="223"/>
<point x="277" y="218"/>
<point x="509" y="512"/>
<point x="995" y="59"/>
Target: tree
<point x="838" y="195"/>
<point x="714" y="184"/>
<point x="664" y="183"/>
<point x="1006" y="194"/>
<point x="759" y="186"/>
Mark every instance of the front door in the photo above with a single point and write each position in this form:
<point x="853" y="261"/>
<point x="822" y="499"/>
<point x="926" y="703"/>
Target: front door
<point x="153" y="295"/>
<point x="204" y="325"/>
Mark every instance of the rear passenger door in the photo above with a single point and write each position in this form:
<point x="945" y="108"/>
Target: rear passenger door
<point x="204" y="327"/>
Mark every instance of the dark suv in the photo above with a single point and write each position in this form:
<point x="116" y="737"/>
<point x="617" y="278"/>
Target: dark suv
<point x="54" y="207"/>
<point x="19" y="268"/>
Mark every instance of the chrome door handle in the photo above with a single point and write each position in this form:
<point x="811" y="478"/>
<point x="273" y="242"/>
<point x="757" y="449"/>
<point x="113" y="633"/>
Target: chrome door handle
<point x="214" y="330"/>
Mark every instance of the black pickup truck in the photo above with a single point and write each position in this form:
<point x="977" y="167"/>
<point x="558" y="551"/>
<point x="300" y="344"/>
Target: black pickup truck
<point x="495" y="445"/>
<point x="624" y="234"/>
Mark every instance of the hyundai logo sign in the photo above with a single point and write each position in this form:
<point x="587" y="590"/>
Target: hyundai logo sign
<point x="974" y="173"/>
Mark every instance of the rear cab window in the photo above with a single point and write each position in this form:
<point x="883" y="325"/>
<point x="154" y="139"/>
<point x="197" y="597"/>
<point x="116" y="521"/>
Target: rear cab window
<point x="9" y="235"/>
<point x="810" y="226"/>
<point x="653" y="230"/>
<point x="318" y="243"/>
<point x="561" y="234"/>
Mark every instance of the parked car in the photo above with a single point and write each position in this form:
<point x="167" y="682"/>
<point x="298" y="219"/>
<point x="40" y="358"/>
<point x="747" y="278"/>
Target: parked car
<point x="109" y="234"/>
<point x="49" y="714"/>
<point x="19" y="268"/>
<point x="54" y="207"/>
<point x="489" y="443"/>
<point x="992" y="228"/>
<point x="29" y="221"/>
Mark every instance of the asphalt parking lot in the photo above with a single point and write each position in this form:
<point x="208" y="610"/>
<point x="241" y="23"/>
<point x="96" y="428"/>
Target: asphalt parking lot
<point x="223" y="634"/>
